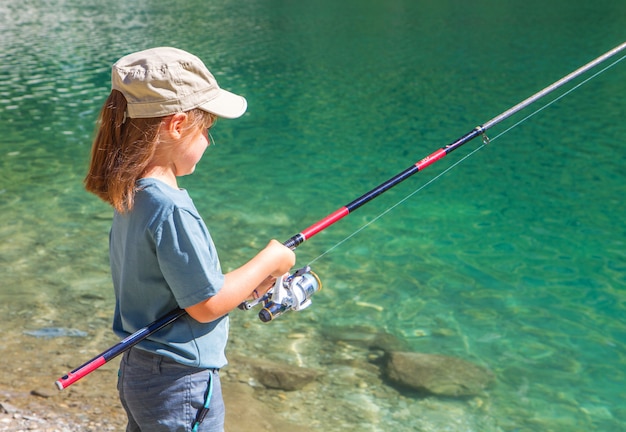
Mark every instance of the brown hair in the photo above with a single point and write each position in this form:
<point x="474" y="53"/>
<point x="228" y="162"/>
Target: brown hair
<point x="123" y="148"/>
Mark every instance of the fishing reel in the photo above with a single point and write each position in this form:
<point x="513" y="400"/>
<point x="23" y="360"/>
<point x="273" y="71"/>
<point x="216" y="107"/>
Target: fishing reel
<point x="289" y="293"/>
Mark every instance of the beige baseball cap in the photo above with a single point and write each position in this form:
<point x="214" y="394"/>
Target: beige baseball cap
<point x="161" y="81"/>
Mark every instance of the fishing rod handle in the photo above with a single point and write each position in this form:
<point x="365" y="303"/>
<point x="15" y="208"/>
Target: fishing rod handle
<point x="73" y="376"/>
<point x="117" y="349"/>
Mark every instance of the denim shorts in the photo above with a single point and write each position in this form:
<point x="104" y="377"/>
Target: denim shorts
<point x="161" y="395"/>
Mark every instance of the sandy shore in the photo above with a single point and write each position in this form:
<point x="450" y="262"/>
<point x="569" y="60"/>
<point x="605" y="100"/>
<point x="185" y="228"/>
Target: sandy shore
<point x="93" y="405"/>
<point x="36" y="412"/>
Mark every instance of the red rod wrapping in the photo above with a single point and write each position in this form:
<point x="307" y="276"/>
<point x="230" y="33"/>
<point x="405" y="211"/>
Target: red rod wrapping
<point x="325" y="223"/>
<point x="77" y="374"/>
<point x="431" y="158"/>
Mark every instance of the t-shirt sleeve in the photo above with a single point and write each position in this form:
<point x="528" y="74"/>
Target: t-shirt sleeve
<point x="188" y="258"/>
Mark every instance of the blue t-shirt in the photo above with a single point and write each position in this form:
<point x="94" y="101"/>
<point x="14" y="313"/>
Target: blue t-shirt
<point x="162" y="258"/>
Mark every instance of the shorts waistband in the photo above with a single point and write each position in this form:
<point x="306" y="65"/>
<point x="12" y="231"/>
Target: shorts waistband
<point x="157" y="361"/>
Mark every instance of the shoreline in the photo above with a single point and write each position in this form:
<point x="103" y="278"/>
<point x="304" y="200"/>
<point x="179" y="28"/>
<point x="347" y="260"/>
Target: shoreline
<point x="92" y="405"/>
<point x="30" y="400"/>
<point x="51" y="411"/>
<point x="46" y="412"/>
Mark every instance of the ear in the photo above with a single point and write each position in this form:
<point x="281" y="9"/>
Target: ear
<point x="175" y="125"/>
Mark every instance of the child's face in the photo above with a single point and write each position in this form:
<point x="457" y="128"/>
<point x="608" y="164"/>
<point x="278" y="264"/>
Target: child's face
<point x="189" y="151"/>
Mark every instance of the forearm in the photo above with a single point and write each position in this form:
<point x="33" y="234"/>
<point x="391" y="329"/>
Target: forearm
<point x="240" y="283"/>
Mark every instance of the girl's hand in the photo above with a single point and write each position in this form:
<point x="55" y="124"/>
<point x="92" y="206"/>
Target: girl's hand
<point x="283" y="257"/>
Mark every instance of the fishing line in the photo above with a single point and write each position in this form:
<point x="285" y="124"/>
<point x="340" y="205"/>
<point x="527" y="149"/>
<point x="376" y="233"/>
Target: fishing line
<point x="486" y="140"/>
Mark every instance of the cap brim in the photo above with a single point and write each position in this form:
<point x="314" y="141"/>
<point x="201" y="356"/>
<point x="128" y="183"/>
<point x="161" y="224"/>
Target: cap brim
<point x="226" y="105"/>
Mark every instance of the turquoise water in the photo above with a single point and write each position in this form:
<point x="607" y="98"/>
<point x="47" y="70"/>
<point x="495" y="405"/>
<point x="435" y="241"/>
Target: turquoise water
<point x="514" y="259"/>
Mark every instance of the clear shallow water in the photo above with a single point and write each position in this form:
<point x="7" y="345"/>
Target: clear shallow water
<point x="515" y="259"/>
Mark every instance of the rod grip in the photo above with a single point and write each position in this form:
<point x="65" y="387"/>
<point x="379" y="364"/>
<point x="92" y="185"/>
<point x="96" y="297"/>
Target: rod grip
<point x="73" y="376"/>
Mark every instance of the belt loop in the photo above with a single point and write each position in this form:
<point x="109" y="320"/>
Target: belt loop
<point x="156" y="364"/>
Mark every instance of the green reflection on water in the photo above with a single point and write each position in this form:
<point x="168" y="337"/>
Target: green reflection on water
<point x="514" y="259"/>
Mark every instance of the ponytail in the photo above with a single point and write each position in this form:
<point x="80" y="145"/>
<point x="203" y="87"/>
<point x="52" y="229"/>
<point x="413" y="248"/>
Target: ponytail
<point x="120" y="153"/>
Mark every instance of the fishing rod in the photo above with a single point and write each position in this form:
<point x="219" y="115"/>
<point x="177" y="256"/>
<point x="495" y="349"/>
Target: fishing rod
<point x="294" y="291"/>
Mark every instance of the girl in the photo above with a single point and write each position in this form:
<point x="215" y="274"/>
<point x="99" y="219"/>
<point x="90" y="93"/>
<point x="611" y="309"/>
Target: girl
<point x="152" y="129"/>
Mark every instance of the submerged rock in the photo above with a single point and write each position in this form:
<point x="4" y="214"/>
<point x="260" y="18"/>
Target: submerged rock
<point x="271" y="374"/>
<point x="436" y="374"/>
<point x="365" y="337"/>
<point x="54" y="332"/>
<point x="281" y="376"/>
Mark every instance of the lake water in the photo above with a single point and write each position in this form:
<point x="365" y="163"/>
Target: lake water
<point x="514" y="259"/>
